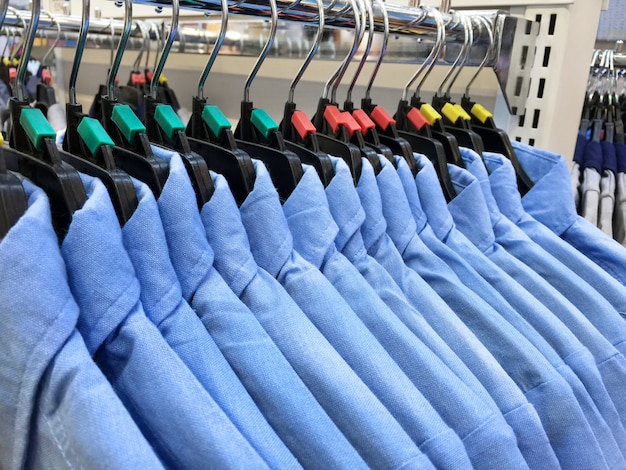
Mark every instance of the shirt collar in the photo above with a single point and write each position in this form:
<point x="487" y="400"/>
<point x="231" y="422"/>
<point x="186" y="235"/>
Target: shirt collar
<point x="189" y="250"/>
<point x="100" y="273"/>
<point x="432" y="198"/>
<point x="469" y="209"/>
<point x="503" y="183"/>
<point x="262" y="215"/>
<point x="374" y="227"/>
<point x="145" y="243"/>
<point x="309" y="219"/>
<point x="592" y="155"/>
<point x="410" y="190"/>
<point x="609" y="157"/>
<point x="227" y="236"/>
<point x="475" y="166"/>
<point x="345" y="205"/>
<point x="401" y="226"/>
<point x="550" y="200"/>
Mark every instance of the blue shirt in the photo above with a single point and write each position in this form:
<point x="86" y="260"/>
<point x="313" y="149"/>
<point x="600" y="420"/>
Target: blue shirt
<point x="521" y="416"/>
<point x="504" y="190"/>
<point x="512" y="238"/>
<point x="177" y="416"/>
<point x="314" y="231"/>
<point x="564" y="342"/>
<point x="550" y="202"/>
<point x="55" y="403"/>
<point x="604" y="349"/>
<point x="608" y="359"/>
<point x="524" y="364"/>
<point x="280" y="394"/>
<point x="351" y="405"/>
<point x="161" y="296"/>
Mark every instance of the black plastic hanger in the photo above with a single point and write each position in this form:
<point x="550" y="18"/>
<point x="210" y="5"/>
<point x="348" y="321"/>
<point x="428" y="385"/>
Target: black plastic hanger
<point x="88" y="147"/>
<point x="34" y="152"/>
<point x="259" y="135"/>
<point x="298" y="131"/>
<point x="132" y="151"/>
<point x="209" y="132"/>
<point x="164" y="128"/>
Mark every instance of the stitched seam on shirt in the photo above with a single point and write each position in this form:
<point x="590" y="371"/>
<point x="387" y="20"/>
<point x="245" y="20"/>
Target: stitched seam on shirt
<point x="205" y="254"/>
<point x="163" y="299"/>
<point x="410" y="461"/>
<point x="610" y="358"/>
<point x="60" y="430"/>
<point x="542" y="384"/>
<point x="21" y="399"/>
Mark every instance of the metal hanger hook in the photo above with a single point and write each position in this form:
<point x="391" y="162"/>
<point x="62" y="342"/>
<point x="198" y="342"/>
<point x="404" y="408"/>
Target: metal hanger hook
<point x="145" y="44"/>
<point x="56" y="39"/>
<point x="166" y="50"/>
<point x="264" y="51"/>
<point x="434" y="52"/>
<point x="488" y="28"/>
<point x="383" y="49"/>
<point x="470" y="24"/>
<point x="121" y="47"/>
<point x="312" y="51"/>
<point x="346" y="61"/>
<point x="370" y="36"/>
<point x="468" y="37"/>
<point x="441" y="41"/>
<point x="80" y="47"/>
<point x="216" y="48"/>
<point x="28" y="47"/>
<point x="4" y="7"/>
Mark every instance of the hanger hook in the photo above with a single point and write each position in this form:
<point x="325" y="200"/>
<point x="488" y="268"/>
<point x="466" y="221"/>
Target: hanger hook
<point x="216" y="48"/>
<point x="370" y="36"/>
<point x="155" y="27"/>
<point x="467" y="36"/>
<point x="312" y="52"/>
<point x="359" y="35"/>
<point x="346" y="61"/>
<point x="28" y="47"/>
<point x="56" y="39"/>
<point x="149" y="45"/>
<point x="488" y="27"/>
<point x="383" y="50"/>
<point x="19" y="16"/>
<point x="145" y="43"/>
<point x="264" y="52"/>
<point x="470" y="24"/>
<point x="80" y="47"/>
<point x="4" y="7"/>
<point x="15" y="48"/>
<point x="440" y="38"/>
<point x="121" y="47"/>
<point x="441" y="41"/>
<point x="166" y="50"/>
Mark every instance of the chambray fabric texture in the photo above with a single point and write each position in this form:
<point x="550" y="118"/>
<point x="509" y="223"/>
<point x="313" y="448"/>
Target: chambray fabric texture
<point x="402" y="229"/>
<point x="520" y="245"/>
<point x="504" y="189"/>
<point x="365" y="422"/>
<point x="608" y="359"/>
<point x="176" y="415"/>
<point x="348" y="212"/>
<point x="550" y="202"/>
<point x="161" y="296"/>
<point x="607" y="188"/>
<point x="280" y="394"/>
<point x="619" y="216"/>
<point x="552" y="397"/>
<point x="314" y="232"/>
<point x="590" y="185"/>
<point x="572" y="358"/>
<point x="57" y="408"/>
<point x="520" y="414"/>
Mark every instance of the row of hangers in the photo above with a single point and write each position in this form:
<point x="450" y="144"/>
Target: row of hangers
<point x="603" y="105"/>
<point x="118" y="144"/>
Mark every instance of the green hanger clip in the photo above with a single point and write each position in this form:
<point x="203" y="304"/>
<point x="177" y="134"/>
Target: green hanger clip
<point x="263" y="122"/>
<point x="127" y="122"/>
<point x="169" y="121"/>
<point x="36" y="126"/>
<point x="215" y="119"/>
<point x="93" y="134"/>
